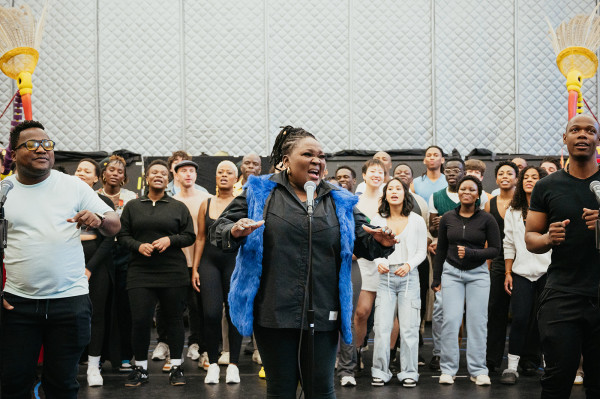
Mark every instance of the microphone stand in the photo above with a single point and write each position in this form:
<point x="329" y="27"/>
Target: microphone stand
<point x="310" y="314"/>
<point x="3" y="236"/>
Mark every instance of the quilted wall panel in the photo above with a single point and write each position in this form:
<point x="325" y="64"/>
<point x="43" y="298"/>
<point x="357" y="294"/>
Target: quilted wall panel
<point x="8" y="88"/>
<point x="225" y="96"/>
<point x="391" y="79"/>
<point x="542" y="94"/>
<point x="308" y="69"/>
<point x="154" y="76"/>
<point x="140" y="75"/>
<point x="474" y="78"/>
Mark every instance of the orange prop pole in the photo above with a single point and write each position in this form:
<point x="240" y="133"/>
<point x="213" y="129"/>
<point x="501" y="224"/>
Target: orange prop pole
<point x="573" y="96"/>
<point x="26" y="100"/>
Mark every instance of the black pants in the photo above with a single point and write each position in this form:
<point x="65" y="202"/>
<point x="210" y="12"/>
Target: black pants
<point x="214" y="288"/>
<point x="278" y="349"/>
<point x="196" y="319"/>
<point x="143" y="301"/>
<point x="423" y="288"/>
<point x="569" y="327"/>
<point x="497" y="314"/>
<point x="123" y="311"/>
<point x="62" y="326"/>
<point x="525" y="296"/>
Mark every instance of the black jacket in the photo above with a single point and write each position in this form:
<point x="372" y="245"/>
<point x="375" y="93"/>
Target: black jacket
<point x="278" y="303"/>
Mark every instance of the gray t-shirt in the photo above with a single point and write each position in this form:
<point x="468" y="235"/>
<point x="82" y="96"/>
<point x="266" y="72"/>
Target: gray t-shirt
<point x="44" y="257"/>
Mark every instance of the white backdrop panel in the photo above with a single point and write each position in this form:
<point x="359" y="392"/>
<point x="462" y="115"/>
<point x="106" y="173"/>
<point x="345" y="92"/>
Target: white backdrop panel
<point x="474" y="61"/>
<point x="225" y="76"/>
<point x="391" y="80"/>
<point x="308" y="69"/>
<point x="140" y="75"/>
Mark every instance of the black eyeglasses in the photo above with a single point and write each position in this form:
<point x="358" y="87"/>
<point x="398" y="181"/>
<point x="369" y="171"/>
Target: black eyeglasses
<point x="33" y="145"/>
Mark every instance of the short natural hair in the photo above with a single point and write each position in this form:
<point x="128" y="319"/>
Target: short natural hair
<point x="473" y="179"/>
<point x="154" y="163"/>
<point x="94" y="163"/>
<point x="553" y="160"/>
<point x="506" y="163"/>
<point x="15" y="133"/>
<point x="352" y="171"/>
<point x="475" y="164"/>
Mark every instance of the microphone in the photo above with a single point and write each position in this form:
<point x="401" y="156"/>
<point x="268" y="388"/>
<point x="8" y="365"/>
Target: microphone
<point x="6" y="186"/>
<point x="310" y="187"/>
<point x="595" y="188"/>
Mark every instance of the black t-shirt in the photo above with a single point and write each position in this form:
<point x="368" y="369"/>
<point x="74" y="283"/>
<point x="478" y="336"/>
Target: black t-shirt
<point x="575" y="265"/>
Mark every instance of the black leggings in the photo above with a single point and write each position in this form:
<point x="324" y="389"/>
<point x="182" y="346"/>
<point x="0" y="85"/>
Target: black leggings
<point x="523" y="306"/>
<point x="214" y="288"/>
<point x="143" y="301"/>
<point x="278" y="349"/>
<point x="100" y="290"/>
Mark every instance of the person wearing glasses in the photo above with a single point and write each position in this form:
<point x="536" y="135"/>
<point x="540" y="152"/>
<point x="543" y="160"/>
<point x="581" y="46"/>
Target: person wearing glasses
<point x="46" y="299"/>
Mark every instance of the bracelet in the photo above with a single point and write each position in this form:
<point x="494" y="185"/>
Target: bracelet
<point x="508" y="272"/>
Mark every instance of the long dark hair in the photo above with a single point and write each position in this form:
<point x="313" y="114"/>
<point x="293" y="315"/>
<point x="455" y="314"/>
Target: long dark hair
<point x="519" y="200"/>
<point x="285" y="141"/>
<point x="407" y="205"/>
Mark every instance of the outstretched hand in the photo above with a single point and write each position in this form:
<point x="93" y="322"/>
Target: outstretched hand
<point x="383" y="235"/>
<point x="244" y="227"/>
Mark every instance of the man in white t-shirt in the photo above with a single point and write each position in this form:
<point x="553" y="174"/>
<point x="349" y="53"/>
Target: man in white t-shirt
<point x="46" y="298"/>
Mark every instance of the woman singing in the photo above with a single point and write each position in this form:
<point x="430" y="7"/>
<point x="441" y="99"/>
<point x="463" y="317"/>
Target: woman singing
<point x="155" y="228"/>
<point x="460" y="266"/>
<point x="268" y="286"/>
<point x="399" y="286"/>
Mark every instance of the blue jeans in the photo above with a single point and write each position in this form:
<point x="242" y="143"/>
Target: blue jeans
<point x="437" y="320"/>
<point x="402" y="293"/>
<point x="474" y="287"/>
<point x="62" y="325"/>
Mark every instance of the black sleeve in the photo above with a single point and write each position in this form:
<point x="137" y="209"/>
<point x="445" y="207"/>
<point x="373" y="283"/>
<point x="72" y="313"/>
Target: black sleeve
<point x="219" y="233"/>
<point x="124" y="237"/>
<point x="186" y="235"/>
<point x="103" y="253"/>
<point x="492" y="235"/>
<point x="365" y="246"/>
<point x="537" y="201"/>
<point x="440" y="253"/>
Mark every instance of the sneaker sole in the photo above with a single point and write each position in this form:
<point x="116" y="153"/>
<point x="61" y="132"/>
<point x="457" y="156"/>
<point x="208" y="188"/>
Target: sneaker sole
<point x="137" y="384"/>
<point x="175" y="384"/>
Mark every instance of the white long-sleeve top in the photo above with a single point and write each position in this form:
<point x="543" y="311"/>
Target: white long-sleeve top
<point x="526" y="264"/>
<point x="412" y="248"/>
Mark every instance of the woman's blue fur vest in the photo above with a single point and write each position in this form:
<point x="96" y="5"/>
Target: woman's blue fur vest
<point x="248" y="267"/>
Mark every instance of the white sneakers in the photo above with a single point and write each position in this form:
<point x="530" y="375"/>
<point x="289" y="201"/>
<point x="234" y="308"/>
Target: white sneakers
<point x="446" y="379"/>
<point x="348" y="381"/>
<point x="256" y="357"/>
<point x="193" y="352"/>
<point x="203" y="362"/>
<point x="161" y="352"/>
<point x="223" y="359"/>
<point x="167" y="366"/>
<point x="233" y="374"/>
<point x="481" y="380"/>
<point x="212" y="374"/>
<point x="94" y="378"/>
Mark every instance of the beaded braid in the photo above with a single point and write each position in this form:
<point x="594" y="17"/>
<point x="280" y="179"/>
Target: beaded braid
<point x="285" y="142"/>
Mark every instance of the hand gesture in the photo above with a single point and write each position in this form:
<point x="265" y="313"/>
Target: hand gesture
<point x="244" y="227"/>
<point x="438" y="288"/>
<point x="196" y="280"/>
<point x="461" y="251"/>
<point x="161" y="244"/>
<point x="86" y="218"/>
<point x="402" y="270"/>
<point x="88" y="273"/>
<point x="146" y="249"/>
<point x="432" y="247"/>
<point x="508" y="284"/>
<point x="556" y="232"/>
<point x="383" y="235"/>
<point x="382" y="269"/>
<point x="590" y="216"/>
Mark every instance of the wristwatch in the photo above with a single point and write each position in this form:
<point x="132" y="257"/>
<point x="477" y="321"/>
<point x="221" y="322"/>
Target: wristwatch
<point x="102" y="218"/>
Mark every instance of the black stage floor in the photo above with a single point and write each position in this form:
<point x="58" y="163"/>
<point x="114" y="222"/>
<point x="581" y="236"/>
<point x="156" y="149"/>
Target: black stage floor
<point x="253" y="387"/>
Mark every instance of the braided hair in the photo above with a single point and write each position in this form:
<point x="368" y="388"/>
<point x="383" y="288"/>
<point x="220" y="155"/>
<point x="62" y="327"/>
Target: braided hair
<point x="286" y="140"/>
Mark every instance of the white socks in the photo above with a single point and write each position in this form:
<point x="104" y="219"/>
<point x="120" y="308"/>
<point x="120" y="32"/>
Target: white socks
<point x="142" y="363"/>
<point x="94" y="361"/>
<point x="513" y="362"/>
<point x="175" y="362"/>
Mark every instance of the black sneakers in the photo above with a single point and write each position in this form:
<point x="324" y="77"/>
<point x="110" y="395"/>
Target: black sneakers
<point x="137" y="377"/>
<point x="176" y="376"/>
<point x="434" y="364"/>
